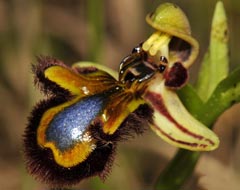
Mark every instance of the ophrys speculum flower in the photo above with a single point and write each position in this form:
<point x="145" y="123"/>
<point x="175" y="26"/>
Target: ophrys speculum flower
<point x="73" y="134"/>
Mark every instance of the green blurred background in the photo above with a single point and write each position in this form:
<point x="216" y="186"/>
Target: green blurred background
<point x="104" y="31"/>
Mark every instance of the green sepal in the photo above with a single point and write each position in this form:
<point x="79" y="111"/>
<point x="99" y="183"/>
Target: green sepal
<point x="215" y="63"/>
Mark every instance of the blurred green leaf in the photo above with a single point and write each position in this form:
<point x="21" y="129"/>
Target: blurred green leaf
<point x="96" y="28"/>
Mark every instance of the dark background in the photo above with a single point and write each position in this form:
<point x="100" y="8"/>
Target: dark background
<point x="105" y="32"/>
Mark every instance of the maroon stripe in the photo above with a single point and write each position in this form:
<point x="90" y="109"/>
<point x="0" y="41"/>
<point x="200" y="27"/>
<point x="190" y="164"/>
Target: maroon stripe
<point x="181" y="142"/>
<point x="157" y="103"/>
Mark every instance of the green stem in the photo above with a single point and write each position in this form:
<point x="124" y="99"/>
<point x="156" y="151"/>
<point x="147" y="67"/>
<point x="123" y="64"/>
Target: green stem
<point x="178" y="170"/>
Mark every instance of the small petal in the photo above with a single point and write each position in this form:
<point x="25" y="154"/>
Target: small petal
<point x="174" y="124"/>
